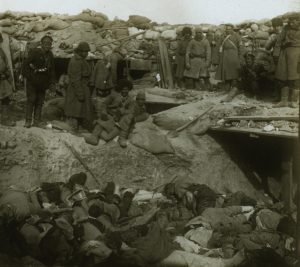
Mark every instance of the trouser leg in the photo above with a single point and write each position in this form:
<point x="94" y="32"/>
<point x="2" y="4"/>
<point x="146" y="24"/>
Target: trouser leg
<point x="31" y="94"/>
<point x="5" y="118"/>
<point x="294" y="91"/>
<point x="125" y="125"/>
<point x="38" y="106"/>
<point x="284" y="98"/>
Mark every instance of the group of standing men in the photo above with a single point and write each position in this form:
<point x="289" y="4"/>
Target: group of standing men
<point x="113" y="111"/>
<point x="195" y="56"/>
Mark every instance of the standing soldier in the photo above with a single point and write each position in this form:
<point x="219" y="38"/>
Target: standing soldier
<point x="198" y="59"/>
<point x="273" y="43"/>
<point x="78" y="106"/>
<point x="212" y="37"/>
<point x="5" y="87"/>
<point x="287" y="71"/>
<point x="180" y="55"/>
<point x="40" y="75"/>
<point x="229" y="61"/>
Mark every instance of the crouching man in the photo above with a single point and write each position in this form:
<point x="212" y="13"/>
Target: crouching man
<point x="118" y="115"/>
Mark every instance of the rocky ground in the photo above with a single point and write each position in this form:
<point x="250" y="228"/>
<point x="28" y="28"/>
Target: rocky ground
<point x="41" y="154"/>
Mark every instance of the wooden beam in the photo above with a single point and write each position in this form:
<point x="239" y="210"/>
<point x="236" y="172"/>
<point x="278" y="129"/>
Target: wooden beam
<point x="254" y="131"/>
<point x="262" y="118"/>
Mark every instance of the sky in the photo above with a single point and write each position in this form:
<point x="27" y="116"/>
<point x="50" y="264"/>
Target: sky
<point x="171" y="11"/>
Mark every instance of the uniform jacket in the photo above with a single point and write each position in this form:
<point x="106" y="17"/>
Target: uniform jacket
<point x="198" y="55"/>
<point x="39" y="68"/>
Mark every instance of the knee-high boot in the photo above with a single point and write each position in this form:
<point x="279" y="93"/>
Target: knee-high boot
<point x="28" y="117"/>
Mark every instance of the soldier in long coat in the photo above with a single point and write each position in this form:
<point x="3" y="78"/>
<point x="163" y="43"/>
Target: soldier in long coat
<point x="78" y="107"/>
<point x="229" y="61"/>
<point x="198" y="59"/>
<point x="180" y="55"/>
<point x="287" y="70"/>
<point x="5" y="88"/>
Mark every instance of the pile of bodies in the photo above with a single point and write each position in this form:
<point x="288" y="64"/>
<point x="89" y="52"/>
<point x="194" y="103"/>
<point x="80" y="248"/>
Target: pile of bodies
<point x="67" y="224"/>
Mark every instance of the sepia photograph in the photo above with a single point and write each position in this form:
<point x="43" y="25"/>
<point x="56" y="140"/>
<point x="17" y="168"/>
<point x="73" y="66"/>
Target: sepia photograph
<point x="149" y="133"/>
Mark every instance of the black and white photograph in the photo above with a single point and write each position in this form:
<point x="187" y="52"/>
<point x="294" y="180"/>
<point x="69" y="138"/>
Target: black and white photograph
<point x="149" y="133"/>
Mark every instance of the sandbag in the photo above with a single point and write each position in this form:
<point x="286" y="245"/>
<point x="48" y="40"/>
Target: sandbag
<point x="138" y="20"/>
<point x="254" y="27"/>
<point x="39" y="26"/>
<point x="57" y="24"/>
<point x="169" y="35"/>
<point x="120" y="33"/>
<point x="151" y="35"/>
<point x="6" y="22"/>
<point x="8" y="30"/>
<point x="152" y="141"/>
<point x="163" y="121"/>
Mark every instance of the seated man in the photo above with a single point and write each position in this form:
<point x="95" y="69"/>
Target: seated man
<point x="117" y="114"/>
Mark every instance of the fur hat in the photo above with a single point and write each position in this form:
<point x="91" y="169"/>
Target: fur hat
<point x="83" y="47"/>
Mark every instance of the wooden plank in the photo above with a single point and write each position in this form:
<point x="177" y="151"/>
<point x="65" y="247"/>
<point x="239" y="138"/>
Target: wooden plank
<point x="6" y="48"/>
<point x="166" y="65"/>
<point x="262" y="118"/>
<point x="255" y="131"/>
<point x="192" y="121"/>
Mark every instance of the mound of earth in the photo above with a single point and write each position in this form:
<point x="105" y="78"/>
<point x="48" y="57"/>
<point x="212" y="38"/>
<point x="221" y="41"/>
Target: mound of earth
<point x="41" y="155"/>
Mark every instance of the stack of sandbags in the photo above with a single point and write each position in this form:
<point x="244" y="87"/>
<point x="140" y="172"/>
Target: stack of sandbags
<point x="139" y="22"/>
<point x="87" y="17"/>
